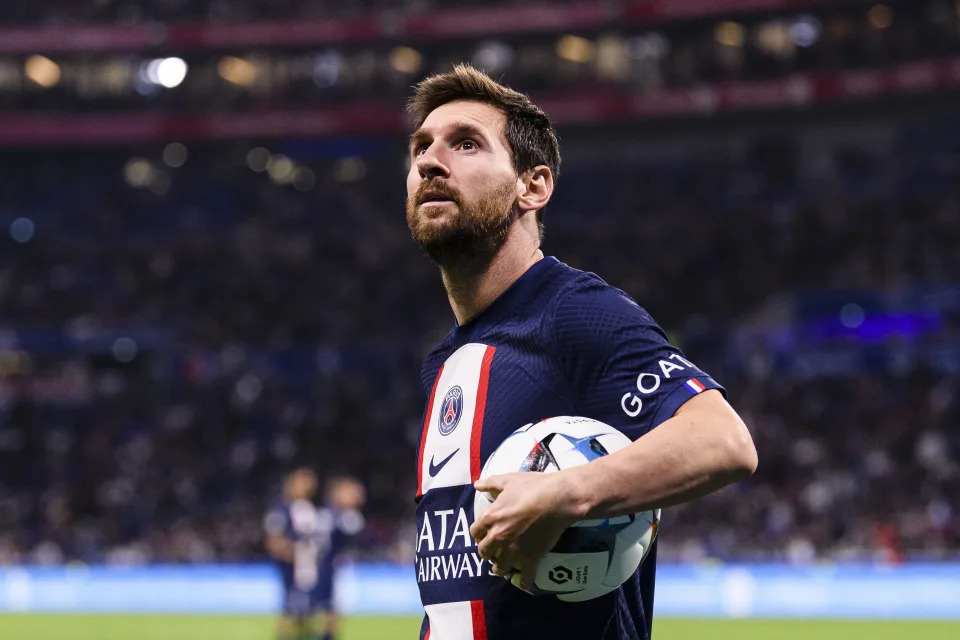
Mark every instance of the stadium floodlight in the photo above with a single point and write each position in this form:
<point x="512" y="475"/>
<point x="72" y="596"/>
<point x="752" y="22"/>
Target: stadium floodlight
<point x="125" y="349"/>
<point x="258" y="159"/>
<point x="175" y="154"/>
<point x="575" y="49"/>
<point x="42" y="70"/>
<point x="171" y="72"/>
<point x="280" y="168"/>
<point x="138" y="172"/>
<point x="22" y="230"/>
<point x="493" y="56"/>
<point x="166" y="72"/>
<point x="327" y="68"/>
<point x="406" y="60"/>
<point x="880" y="16"/>
<point x="730" y="34"/>
<point x="303" y="179"/>
<point x="237" y="71"/>
<point x="805" y="31"/>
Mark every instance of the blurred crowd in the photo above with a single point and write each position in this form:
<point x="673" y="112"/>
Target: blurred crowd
<point x="629" y="58"/>
<point x="179" y="329"/>
<point x="139" y="11"/>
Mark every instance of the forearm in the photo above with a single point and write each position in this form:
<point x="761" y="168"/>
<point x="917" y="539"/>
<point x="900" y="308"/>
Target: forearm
<point x="686" y="457"/>
<point x="280" y="548"/>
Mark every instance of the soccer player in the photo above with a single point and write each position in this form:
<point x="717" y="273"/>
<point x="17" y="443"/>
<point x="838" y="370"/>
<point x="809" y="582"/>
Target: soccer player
<point x="307" y="542"/>
<point x="536" y="338"/>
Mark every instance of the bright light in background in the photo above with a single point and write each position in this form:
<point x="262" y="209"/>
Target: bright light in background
<point x="125" y="350"/>
<point x="258" y="159"/>
<point x="175" y="155"/>
<point x="805" y="31"/>
<point x="612" y="62"/>
<point x="326" y="69"/>
<point x="650" y="45"/>
<point x="42" y="70"/>
<point x="22" y="230"/>
<point x="493" y="56"/>
<point x="880" y="16"/>
<point x="141" y="173"/>
<point x="166" y="72"/>
<point x="171" y="72"/>
<point x="303" y="179"/>
<point x="281" y="168"/>
<point x="237" y="71"/>
<point x="575" y="49"/>
<point x="350" y="170"/>
<point x="160" y="183"/>
<point x="730" y="34"/>
<point x="138" y="172"/>
<point x="406" y="60"/>
<point x="775" y="39"/>
<point x="852" y="315"/>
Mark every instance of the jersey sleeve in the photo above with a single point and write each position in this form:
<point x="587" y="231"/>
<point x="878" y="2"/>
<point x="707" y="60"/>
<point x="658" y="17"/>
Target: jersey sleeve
<point x="275" y="522"/>
<point x="618" y="365"/>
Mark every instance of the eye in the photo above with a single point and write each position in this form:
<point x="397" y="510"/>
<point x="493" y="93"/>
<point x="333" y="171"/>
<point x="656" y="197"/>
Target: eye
<point x="467" y="145"/>
<point x="419" y="149"/>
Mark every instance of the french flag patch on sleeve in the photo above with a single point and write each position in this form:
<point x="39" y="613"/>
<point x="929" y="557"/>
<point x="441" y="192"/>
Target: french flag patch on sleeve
<point x="695" y="386"/>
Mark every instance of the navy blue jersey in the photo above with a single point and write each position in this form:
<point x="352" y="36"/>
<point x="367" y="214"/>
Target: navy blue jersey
<point x="318" y="537"/>
<point x="558" y="342"/>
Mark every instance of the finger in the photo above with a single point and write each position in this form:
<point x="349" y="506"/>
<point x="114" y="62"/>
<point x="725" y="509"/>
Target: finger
<point x="480" y="529"/>
<point x="489" y="549"/>
<point x="492" y="485"/>
<point x="505" y="558"/>
<point x="527" y="570"/>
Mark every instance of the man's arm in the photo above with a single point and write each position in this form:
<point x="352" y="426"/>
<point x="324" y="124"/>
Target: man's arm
<point x="279" y="547"/>
<point x="702" y="448"/>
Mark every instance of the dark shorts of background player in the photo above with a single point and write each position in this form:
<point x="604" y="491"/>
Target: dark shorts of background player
<point x="303" y="603"/>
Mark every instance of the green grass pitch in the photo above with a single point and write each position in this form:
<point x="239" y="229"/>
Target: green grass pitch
<point x="57" y="627"/>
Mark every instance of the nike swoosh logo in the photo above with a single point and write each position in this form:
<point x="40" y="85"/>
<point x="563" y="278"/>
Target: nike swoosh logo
<point x="435" y="468"/>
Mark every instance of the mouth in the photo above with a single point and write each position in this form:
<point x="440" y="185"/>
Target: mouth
<point x="434" y="197"/>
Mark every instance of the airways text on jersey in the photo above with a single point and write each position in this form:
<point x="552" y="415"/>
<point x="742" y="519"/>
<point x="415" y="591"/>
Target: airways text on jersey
<point x="450" y="572"/>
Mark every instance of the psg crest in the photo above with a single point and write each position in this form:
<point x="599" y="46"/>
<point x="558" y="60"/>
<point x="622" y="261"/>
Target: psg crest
<point x="450" y="410"/>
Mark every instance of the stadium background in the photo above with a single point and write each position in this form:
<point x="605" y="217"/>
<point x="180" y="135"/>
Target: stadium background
<point x="205" y="279"/>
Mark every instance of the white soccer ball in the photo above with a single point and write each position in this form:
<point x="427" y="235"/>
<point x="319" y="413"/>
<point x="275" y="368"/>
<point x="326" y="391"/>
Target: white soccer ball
<point x="592" y="557"/>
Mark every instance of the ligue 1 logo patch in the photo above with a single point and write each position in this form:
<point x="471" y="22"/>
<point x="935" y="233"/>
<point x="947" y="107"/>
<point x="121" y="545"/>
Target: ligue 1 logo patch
<point x="450" y="410"/>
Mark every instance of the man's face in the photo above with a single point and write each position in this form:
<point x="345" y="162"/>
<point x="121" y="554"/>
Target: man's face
<point x="348" y="494"/>
<point x="302" y="485"/>
<point x="462" y="185"/>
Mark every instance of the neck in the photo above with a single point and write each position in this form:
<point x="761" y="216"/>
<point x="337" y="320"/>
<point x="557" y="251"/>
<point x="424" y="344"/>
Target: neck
<point x="471" y="289"/>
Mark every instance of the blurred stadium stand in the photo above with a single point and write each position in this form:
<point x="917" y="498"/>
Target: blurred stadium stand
<point x="205" y="276"/>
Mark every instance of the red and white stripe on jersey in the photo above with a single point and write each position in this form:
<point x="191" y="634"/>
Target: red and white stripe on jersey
<point x="456" y="621"/>
<point x="453" y="459"/>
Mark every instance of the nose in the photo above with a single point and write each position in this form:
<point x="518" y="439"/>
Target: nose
<point x="431" y="165"/>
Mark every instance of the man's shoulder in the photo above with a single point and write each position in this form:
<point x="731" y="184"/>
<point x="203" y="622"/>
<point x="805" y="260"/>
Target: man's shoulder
<point x="587" y="301"/>
<point x="277" y="518"/>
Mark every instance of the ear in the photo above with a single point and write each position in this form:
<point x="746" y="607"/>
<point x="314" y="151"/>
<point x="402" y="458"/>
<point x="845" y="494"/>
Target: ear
<point x="536" y="188"/>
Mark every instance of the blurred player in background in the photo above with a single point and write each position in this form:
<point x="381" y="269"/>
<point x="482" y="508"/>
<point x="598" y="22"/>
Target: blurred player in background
<point x="535" y="338"/>
<point x="307" y="543"/>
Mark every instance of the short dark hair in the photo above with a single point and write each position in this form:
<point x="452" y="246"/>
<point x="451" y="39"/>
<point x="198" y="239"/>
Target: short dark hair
<point x="530" y="134"/>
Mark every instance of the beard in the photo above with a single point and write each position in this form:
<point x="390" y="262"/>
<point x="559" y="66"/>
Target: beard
<point x="472" y="236"/>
